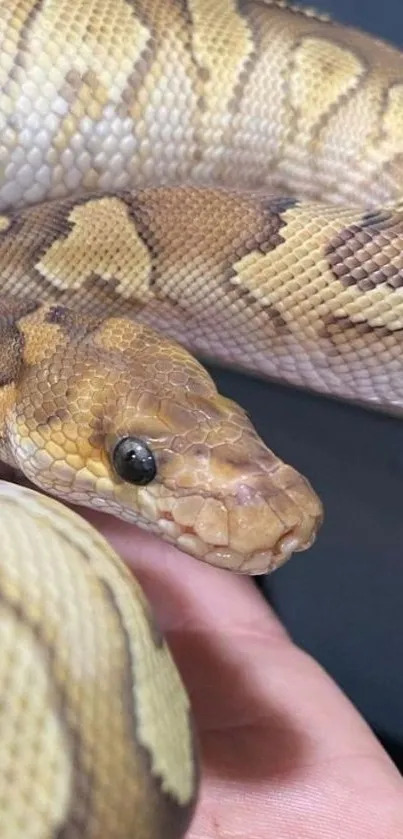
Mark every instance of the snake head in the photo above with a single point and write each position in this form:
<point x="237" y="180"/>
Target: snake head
<point x="218" y="492"/>
<point x="111" y="415"/>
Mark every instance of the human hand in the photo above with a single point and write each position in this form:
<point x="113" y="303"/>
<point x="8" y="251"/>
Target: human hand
<point x="284" y="753"/>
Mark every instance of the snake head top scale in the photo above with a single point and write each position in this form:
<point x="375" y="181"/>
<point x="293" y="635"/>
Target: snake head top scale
<point x="110" y="415"/>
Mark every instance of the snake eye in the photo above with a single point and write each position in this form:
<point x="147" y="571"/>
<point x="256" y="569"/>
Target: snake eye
<point x="134" y="461"/>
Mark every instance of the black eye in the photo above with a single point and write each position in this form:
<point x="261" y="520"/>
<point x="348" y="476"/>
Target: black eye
<point x="134" y="461"/>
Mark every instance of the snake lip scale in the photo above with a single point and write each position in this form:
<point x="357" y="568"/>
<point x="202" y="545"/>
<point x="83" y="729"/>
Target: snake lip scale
<point x="180" y="181"/>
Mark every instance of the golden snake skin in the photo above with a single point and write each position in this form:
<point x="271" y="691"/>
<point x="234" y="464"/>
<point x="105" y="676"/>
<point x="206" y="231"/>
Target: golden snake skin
<point x="87" y="740"/>
<point x="228" y="173"/>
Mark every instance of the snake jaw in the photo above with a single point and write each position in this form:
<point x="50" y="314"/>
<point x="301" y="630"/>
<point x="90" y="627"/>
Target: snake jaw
<point x="251" y="528"/>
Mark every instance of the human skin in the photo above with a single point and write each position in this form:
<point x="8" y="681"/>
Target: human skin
<point x="285" y="755"/>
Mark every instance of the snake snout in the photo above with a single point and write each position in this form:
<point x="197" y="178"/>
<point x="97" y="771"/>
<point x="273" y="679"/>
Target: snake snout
<point x="270" y="517"/>
<point x="251" y="521"/>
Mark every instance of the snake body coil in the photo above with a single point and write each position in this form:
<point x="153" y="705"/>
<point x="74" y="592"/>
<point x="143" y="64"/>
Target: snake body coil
<point x="229" y="174"/>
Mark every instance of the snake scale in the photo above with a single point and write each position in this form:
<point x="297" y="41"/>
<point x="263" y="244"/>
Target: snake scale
<point x="219" y="179"/>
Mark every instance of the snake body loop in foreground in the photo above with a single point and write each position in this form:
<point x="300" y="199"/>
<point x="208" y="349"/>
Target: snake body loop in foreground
<point x="219" y="179"/>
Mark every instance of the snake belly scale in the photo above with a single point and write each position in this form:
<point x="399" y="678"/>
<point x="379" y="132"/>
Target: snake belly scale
<point x="178" y="178"/>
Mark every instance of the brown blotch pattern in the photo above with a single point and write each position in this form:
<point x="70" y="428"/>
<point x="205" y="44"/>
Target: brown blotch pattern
<point x="369" y="253"/>
<point x="72" y="322"/>
<point x="11" y="340"/>
<point x="222" y="226"/>
<point x="29" y="235"/>
<point x="347" y="337"/>
<point x="174" y="16"/>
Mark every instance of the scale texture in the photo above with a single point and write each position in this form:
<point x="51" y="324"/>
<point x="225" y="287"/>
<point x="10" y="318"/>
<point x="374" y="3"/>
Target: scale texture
<point x="177" y="177"/>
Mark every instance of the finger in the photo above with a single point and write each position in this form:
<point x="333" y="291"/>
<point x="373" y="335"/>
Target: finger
<point x="282" y="745"/>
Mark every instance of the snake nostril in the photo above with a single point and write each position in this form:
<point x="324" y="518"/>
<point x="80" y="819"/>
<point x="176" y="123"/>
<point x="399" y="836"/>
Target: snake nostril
<point x="289" y="543"/>
<point x="297" y="538"/>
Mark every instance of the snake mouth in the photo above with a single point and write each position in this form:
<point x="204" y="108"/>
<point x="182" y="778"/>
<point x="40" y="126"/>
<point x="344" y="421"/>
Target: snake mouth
<point x="235" y="555"/>
<point x="263" y="562"/>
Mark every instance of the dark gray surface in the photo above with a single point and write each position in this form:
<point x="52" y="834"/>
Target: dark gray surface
<point x="343" y="600"/>
<point x="384" y="19"/>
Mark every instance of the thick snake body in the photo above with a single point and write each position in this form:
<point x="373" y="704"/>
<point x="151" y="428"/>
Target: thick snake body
<point x="229" y="174"/>
<point x="89" y="692"/>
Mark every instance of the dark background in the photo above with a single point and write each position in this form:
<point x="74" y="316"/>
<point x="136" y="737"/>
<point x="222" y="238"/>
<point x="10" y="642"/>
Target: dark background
<point x="343" y="600"/>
